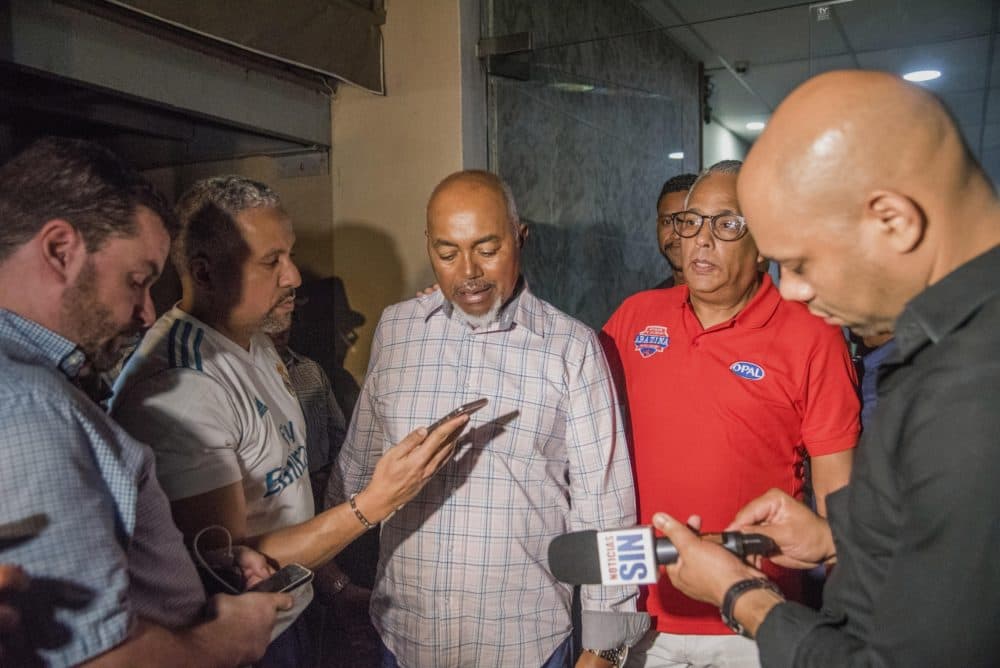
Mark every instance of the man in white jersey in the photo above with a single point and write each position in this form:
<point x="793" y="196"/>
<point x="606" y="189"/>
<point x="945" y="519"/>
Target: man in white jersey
<point x="208" y="391"/>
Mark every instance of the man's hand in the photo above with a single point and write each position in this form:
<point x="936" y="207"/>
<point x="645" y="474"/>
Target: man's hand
<point x="803" y="537"/>
<point x="429" y="290"/>
<point x="255" y="566"/>
<point x="404" y="470"/>
<point x="704" y="570"/>
<point x="12" y="579"/>
<point x="241" y="629"/>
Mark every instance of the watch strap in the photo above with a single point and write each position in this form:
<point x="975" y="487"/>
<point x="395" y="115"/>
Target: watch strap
<point x="737" y="590"/>
<point x="616" y="655"/>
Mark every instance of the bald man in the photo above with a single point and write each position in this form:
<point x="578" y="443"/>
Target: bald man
<point x="863" y="190"/>
<point x="463" y="576"/>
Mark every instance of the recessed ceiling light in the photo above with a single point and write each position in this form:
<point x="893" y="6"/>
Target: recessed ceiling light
<point x="755" y="125"/>
<point x="922" y="75"/>
<point x="676" y="155"/>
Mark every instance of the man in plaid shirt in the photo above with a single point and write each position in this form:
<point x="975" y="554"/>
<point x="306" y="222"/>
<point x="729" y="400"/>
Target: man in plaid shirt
<point x="463" y="578"/>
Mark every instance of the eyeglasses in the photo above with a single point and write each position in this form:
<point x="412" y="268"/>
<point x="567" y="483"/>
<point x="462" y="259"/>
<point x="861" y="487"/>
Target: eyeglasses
<point x="724" y="226"/>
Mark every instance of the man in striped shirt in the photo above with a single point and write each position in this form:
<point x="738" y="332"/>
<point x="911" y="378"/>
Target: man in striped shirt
<point x="463" y="578"/>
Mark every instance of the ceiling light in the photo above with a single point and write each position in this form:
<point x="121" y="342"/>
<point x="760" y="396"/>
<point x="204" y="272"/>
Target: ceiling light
<point x="755" y="125"/>
<point x="572" y="87"/>
<point x="676" y="155"/>
<point x="922" y="75"/>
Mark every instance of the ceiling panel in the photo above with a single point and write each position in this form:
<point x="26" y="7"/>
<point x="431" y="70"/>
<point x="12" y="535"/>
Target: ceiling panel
<point x="965" y="106"/>
<point x="962" y="62"/>
<point x="881" y="24"/>
<point x="774" y="36"/>
<point x="783" y="43"/>
<point x="702" y="10"/>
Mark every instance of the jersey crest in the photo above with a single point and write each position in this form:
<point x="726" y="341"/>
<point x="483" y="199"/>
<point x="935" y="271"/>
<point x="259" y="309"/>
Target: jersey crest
<point x="651" y="340"/>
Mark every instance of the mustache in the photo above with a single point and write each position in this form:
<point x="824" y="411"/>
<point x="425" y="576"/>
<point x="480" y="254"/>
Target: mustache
<point x="473" y="286"/>
<point x="287" y="296"/>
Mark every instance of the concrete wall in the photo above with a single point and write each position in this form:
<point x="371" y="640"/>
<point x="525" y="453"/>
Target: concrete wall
<point x="389" y="152"/>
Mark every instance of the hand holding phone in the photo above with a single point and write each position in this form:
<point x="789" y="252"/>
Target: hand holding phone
<point x="464" y="409"/>
<point x="287" y="579"/>
<point x="407" y="466"/>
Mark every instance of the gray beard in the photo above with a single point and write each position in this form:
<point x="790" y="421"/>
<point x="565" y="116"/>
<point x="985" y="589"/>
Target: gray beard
<point x="478" y="321"/>
<point x="273" y="323"/>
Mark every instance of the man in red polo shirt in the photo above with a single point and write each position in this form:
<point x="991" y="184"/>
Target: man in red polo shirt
<point x="728" y="388"/>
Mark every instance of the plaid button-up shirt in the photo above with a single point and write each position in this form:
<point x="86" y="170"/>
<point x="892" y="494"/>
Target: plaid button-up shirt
<point x="463" y="577"/>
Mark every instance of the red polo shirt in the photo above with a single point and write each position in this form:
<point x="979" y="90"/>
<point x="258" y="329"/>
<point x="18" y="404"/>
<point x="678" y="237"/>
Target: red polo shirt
<point x="718" y="416"/>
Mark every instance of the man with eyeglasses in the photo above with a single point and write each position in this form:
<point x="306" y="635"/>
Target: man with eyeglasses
<point x="756" y="385"/>
<point x="671" y="201"/>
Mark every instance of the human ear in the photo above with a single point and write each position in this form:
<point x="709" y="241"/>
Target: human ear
<point x="63" y="248"/>
<point x="897" y="219"/>
<point x="522" y="234"/>
<point x="200" y="270"/>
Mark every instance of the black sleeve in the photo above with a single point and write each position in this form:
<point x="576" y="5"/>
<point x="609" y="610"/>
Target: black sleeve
<point x="938" y="603"/>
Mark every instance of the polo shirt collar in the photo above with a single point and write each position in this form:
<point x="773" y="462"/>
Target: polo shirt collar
<point x="758" y="310"/>
<point x="43" y="345"/>
<point x="944" y="306"/>
<point x="523" y="309"/>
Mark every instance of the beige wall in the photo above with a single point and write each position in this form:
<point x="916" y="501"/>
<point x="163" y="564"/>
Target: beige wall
<point x="388" y="154"/>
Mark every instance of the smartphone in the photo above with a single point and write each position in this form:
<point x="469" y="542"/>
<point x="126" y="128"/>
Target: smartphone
<point x="464" y="409"/>
<point x="288" y="578"/>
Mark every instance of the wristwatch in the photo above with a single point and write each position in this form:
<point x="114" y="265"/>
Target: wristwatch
<point x="616" y="655"/>
<point x="737" y="590"/>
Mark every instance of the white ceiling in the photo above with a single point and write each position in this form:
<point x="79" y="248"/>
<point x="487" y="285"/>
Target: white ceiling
<point x="784" y="42"/>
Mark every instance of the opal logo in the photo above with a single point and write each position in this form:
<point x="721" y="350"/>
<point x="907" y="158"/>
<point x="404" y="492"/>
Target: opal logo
<point x="747" y="370"/>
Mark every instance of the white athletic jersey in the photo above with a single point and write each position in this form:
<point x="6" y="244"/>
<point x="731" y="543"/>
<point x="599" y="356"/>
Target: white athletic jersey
<point x="216" y="414"/>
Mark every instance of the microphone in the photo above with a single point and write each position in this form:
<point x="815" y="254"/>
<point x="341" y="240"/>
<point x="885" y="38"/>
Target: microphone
<point x="632" y="556"/>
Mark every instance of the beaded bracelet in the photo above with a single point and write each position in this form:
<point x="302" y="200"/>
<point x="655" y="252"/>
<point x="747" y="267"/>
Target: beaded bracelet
<point x="357" y="513"/>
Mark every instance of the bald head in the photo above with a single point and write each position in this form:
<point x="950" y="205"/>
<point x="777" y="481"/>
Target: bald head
<point x="474" y="243"/>
<point x="863" y="189"/>
<point x="843" y="134"/>
<point x="473" y="179"/>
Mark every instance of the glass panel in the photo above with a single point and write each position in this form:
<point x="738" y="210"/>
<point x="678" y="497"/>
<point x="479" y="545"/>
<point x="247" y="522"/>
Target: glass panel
<point x="606" y="110"/>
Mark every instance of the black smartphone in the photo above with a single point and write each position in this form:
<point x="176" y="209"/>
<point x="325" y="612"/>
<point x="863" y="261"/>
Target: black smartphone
<point x="464" y="409"/>
<point x="288" y="578"/>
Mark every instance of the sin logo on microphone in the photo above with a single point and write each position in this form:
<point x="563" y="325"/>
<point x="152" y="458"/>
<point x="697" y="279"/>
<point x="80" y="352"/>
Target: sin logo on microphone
<point x="627" y="556"/>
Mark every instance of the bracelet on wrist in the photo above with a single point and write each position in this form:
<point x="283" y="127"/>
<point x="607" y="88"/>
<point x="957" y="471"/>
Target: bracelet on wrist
<point x="616" y="656"/>
<point x="357" y="513"/>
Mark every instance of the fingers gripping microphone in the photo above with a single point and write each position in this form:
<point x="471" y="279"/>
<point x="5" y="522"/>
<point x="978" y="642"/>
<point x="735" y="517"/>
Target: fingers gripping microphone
<point x="632" y="556"/>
